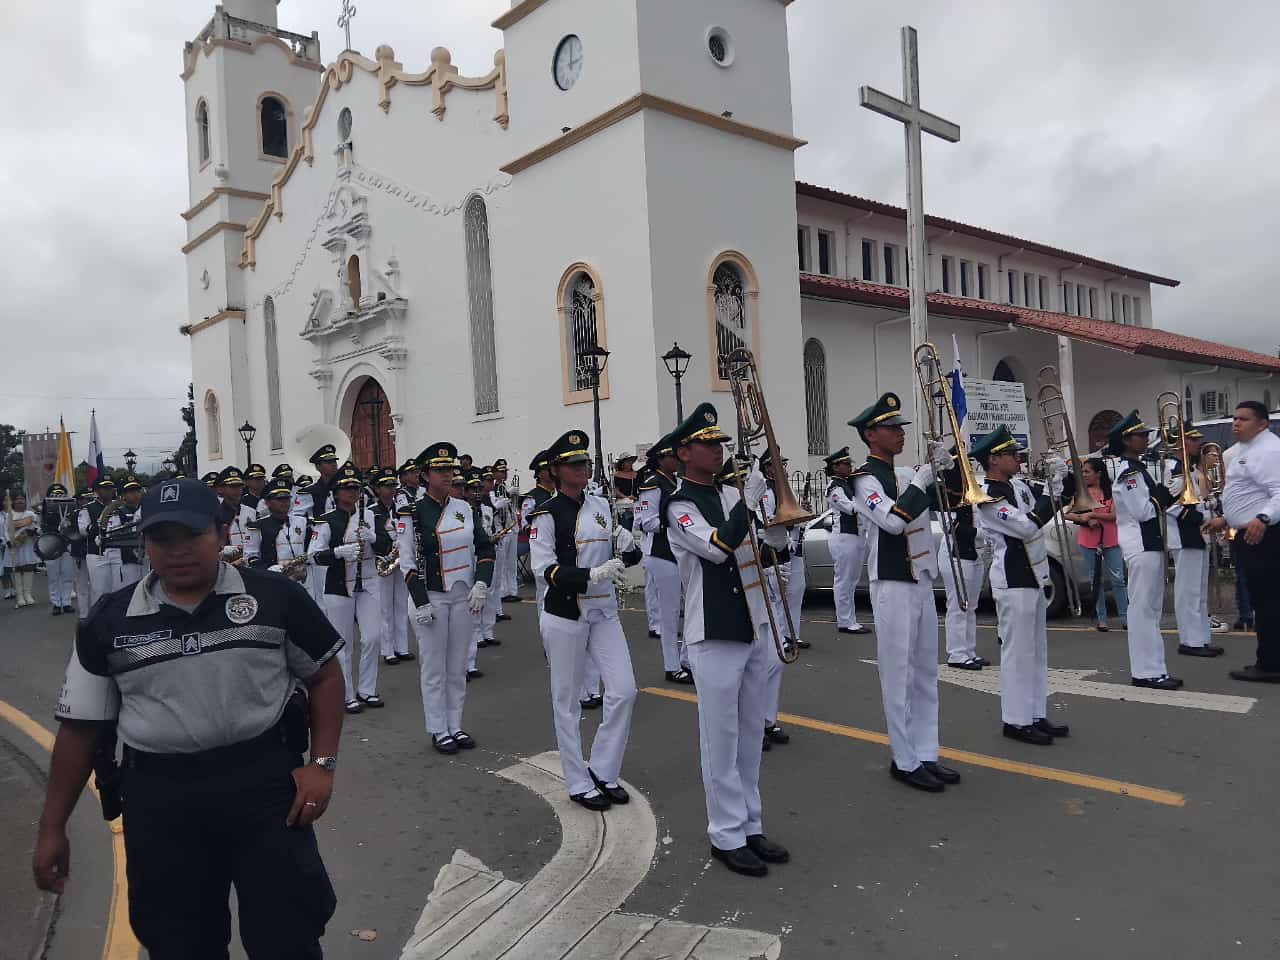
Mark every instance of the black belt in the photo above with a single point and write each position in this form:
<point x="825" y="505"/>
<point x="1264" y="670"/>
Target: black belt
<point x="206" y="762"/>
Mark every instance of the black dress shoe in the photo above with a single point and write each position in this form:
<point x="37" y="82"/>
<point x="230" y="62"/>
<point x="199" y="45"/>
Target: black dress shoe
<point x="495" y="642"/>
<point x="464" y="740"/>
<point x="1158" y="683"/>
<point x="391" y="661"/>
<point x="593" y="702"/>
<point x="68" y="609"/>
<point x="679" y="676"/>
<point x="983" y="661"/>
<point x="742" y="860"/>
<point x="56" y="611"/>
<point x="1052" y="729"/>
<point x="502" y="616"/>
<point x="598" y="803"/>
<point x="970" y="664"/>
<point x="941" y="772"/>
<point x="766" y="744"/>
<point x="654" y="635"/>
<point x="512" y="598"/>
<point x="1208" y="650"/>
<point x="776" y="734"/>
<point x="444" y="743"/>
<point x="1255" y="674"/>
<point x="802" y="644"/>
<point x="1029" y="734"/>
<point x="406" y="657"/>
<point x="767" y="850"/>
<point x="920" y="778"/>
<point x="354" y="706"/>
<point x="858" y="629"/>
<point x="373" y="702"/>
<point x="616" y="794"/>
<point x="474" y="675"/>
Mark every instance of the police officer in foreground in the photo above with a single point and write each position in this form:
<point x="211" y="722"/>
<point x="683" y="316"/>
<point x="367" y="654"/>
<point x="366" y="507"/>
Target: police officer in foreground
<point x="199" y="666"/>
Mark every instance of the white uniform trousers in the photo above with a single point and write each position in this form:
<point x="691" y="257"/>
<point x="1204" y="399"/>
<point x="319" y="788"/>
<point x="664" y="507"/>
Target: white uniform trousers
<point x="795" y="591"/>
<point x="443" y="647"/>
<point x="592" y="678"/>
<point x="315" y="582"/>
<point x="961" y="625"/>
<point x="651" y="600"/>
<point x="849" y="555"/>
<point x="732" y="677"/>
<point x="83" y="590"/>
<point x="571" y="645"/>
<point x="130" y="573"/>
<point x="395" y="620"/>
<point x="62" y="573"/>
<point x="364" y="608"/>
<point x="473" y="649"/>
<point x="104" y="577"/>
<point x="507" y="557"/>
<point x="907" y="649"/>
<point x="1024" y="654"/>
<point x="1191" y="596"/>
<point x="773" y="678"/>
<point x="666" y="581"/>
<point x="1146" y="607"/>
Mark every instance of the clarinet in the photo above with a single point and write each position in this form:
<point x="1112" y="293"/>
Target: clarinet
<point x="359" y="585"/>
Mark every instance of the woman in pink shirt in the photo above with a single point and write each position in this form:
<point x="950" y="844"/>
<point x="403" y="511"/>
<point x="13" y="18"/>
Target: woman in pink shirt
<point x="1098" y="542"/>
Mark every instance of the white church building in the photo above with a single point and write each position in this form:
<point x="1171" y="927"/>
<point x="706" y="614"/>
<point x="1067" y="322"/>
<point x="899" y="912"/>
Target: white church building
<point x="416" y="255"/>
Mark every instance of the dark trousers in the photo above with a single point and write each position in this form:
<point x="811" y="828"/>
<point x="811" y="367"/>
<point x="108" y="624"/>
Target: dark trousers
<point x="1261" y="565"/>
<point x="193" y="829"/>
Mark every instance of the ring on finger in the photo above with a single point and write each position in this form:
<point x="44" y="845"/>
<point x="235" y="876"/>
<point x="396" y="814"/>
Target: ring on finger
<point x="310" y="803"/>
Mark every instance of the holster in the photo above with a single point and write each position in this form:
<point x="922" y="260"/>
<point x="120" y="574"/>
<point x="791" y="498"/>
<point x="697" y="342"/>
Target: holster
<point x="106" y="773"/>
<point x="295" y="722"/>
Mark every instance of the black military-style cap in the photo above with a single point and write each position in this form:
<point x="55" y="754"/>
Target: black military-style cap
<point x="255" y="471"/>
<point x="348" y="476"/>
<point x="384" y="478"/>
<point x="104" y="483"/>
<point x="1125" y="427"/>
<point x="326" y="454"/>
<point x="473" y="482"/>
<point x="277" y="490"/>
<point x="572" y="447"/>
<point x="187" y="502"/>
<point x="131" y="483"/>
<point x="1191" y="431"/>
<point x="838" y="456"/>
<point x="282" y="471"/>
<point x="499" y="464"/>
<point x="439" y="456"/>
<point x="701" y="426"/>
<point x="663" y="448"/>
<point x="409" y="466"/>
<point x="210" y="478"/>
<point x="56" y="490"/>
<point x="541" y="460"/>
<point x="735" y="468"/>
<point x="885" y="412"/>
<point x="486" y="473"/>
<point x="230" y="476"/>
<point x="766" y="460"/>
<point x="303" y="480"/>
<point x="999" y="440"/>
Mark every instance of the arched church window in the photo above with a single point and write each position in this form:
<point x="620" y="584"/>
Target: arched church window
<point x="271" y="336"/>
<point x="273" y="127"/>
<point x="815" y="396"/>
<point x="353" y="281"/>
<point x="1004" y="372"/>
<point x="484" y="361"/>
<point x="344" y="124"/>
<point x="731" y="313"/>
<point x="213" y="425"/>
<point x="202" y="132"/>
<point x="580" y="303"/>
<point x="1100" y="426"/>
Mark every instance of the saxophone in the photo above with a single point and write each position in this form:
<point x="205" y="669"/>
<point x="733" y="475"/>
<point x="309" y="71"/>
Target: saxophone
<point x="388" y="565"/>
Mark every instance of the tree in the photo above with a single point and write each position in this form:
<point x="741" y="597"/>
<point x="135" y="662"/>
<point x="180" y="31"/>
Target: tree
<point x="11" y="473"/>
<point x="185" y="455"/>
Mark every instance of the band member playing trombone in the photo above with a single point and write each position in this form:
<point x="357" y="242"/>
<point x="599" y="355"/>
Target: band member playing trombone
<point x="902" y="565"/>
<point x="1140" y="502"/>
<point x="395" y="595"/>
<point x="848" y="543"/>
<point x="1187" y="543"/>
<point x="727" y="630"/>
<point x="104" y="574"/>
<point x="505" y="501"/>
<point x="776" y="565"/>
<point x="1012" y="521"/>
<point x="126" y="516"/>
<point x="658" y="485"/>
<point x="962" y="580"/>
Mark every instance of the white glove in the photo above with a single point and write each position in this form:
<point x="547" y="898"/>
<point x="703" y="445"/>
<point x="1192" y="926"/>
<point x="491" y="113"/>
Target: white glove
<point x="783" y="570"/>
<point x="753" y="489"/>
<point x="476" y="598"/>
<point x="276" y="568"/>
<point x="775" y="536"/>
<point x="923" y="477"/>
<point x="940" y="455"/>
<point x="609" y="570"/>
<point x="623" y="541"/>
<point x="424" y="614"/>
<point x="620" y="579"/>
<point x="347" y="551"/>
<point x="229" y="552"/>
<point x="1057" y="468"/>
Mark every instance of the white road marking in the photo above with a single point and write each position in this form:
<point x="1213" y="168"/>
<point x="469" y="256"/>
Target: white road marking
<point x="568" y="909"/>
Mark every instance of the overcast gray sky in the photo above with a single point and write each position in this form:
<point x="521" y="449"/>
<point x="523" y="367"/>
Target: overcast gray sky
<point x="1141" y="132"/>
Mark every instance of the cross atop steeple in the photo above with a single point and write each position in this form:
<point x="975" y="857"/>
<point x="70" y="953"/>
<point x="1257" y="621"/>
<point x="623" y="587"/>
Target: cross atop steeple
<point x="344" y="19"/>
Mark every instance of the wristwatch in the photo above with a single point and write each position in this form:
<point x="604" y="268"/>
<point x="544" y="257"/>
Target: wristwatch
<point x="1265" y="518"/>
<point x="328" y="763"/>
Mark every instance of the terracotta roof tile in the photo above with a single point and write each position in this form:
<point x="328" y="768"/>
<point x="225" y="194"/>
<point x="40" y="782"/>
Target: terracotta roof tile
<point x="1143" y="341"/>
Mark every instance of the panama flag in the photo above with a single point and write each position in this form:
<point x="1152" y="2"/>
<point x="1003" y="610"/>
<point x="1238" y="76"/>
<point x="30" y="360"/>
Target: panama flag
<point x="957" y="386"/>
<point x="65" y="471"/>
<point x="96" y="467"/>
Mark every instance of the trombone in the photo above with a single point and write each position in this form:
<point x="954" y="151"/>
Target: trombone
<point x="1169" y="417"/>
<point x="1060" y="439"/>
<point x="754" y="424"/>
<point x="936" y="391"/>
<point x="1215" y="480"/>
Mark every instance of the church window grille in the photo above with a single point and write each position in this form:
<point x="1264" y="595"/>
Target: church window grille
<point x="1093" y="302"/>
<point x="869" y="260"/>
<point x="890" y="264"/>
<point x="982" y="281"/>
<point x="1044" y="302"/>
<point x="1013" y="286"/>
<point x="815" y="396"/>
<point x="948" y="274"/>
<point x="202" y="132"/>
<point x="1029" y="289"/>
<point x="731" y="314"/>
<point x="344" y="124"/>
<point x="826" y="242"/>
<point x="1068" y="299"/>
<point x="213" y="425"/>
<point x="966" y="278"/>
<point x="582" y="330"/>
<point x="484" y="360"/>
<point x="272" y="343"/>
<point x="273" y="120"/>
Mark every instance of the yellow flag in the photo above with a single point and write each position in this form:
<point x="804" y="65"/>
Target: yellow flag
<point x="65" y="472"/>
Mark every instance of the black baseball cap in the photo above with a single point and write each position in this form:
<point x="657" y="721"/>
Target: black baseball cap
<point x="188" y="502"/>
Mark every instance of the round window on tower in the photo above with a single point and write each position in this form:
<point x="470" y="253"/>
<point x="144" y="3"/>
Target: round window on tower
<point x="720" y="46"/>
<point x="344" y="125"/>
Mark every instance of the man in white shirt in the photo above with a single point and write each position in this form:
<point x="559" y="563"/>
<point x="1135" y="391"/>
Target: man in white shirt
<point x="1251" y="505"/>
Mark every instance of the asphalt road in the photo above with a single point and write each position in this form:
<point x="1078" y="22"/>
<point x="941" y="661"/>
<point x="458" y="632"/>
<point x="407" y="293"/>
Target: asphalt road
<point x="1005" y="864"/>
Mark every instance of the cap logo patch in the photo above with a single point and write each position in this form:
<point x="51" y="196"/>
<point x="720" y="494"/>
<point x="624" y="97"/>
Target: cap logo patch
<point x="241" y="608"/>
<point x="891" y="402"/>
<point x="169" y="493"/>
<point x="575" y="439"/>
<point x="710" y="417"/>
<point x="457" y="515"/>
<point x="601" y="521"/>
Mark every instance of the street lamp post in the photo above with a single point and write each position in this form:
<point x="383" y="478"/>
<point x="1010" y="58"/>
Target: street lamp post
<point x="130" y="459"/>
<point x="677" y="361"/>
<point x="599" y="357"/>
<point x="247" y="432"/>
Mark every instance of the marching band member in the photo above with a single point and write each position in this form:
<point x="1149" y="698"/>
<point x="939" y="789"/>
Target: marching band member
<point x="130" y="558"/>
<point x="482" y="634"/>
<point x="320" y="493"/>
<point x="777" y="572"/>
<point x="1190" y="552"/>
<point x="1139" y="502"/>
<point x="572" y="542"/>
<point x="239" y="519"/>
<point x="543" y="489"/>
<point x="508" y="585"/>
<point x="210" y="479"/>
<point x="79" y="551"/>
<point x="410" y="490"/>
<point x="498" y="506"/>
<point x="305" y="494"/>
<point x="961" y="624"/>
<point x="61" y="570"/>
<point x="1013" y="521"/>
<point x="255" y="482"/>
<point x="847" y="543"/>
<point x="283" y="538"/>
<point x="104" y="576"/>
<point x="447" y="562"/>
<point x="902" y="566"/>
<point x="728" y="637"/>
<point x="344" y="541"/>
<point x="1251" y="505"/>
<point x="24" y="530"/>
<point x="660" y="569"/>
<point x="395" y="595"/>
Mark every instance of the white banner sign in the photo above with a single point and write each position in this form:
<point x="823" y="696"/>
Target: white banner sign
<point x="995" y="402"/>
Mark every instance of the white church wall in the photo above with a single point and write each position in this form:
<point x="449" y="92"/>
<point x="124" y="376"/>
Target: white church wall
<point x="211" y="371"/>
<point x="204" y="84"/>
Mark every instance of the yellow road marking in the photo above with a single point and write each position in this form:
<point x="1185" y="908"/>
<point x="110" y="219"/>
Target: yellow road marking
<point x="120" y="943"/>
<point x="1167" y="798"/>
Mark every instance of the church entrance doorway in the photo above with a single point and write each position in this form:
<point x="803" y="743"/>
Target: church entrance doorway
<point x="1100" y="426"/>
<point x="370" y="426"/>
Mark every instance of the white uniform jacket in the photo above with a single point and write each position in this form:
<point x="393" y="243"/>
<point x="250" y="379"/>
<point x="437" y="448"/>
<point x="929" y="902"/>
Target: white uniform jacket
<point x="567" y="539"/>
<point x="1139" y="502"/>
<point x="1013" y="524"/>
<point x="897" y="514"/>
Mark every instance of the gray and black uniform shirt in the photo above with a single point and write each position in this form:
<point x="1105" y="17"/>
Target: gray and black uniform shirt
<point x="213" y="676"/>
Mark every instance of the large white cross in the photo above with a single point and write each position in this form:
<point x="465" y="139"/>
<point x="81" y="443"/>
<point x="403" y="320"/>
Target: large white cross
<point x="907" y="111"/>
<point x="344" y="19"/>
